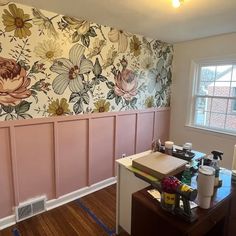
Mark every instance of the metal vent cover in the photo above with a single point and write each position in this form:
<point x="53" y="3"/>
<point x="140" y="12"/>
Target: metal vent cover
<point x="24" y="212"/>
<point x="30" y="208"/>
<point x="38" y="207"/>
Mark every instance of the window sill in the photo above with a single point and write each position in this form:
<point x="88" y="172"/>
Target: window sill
<point x="210" y="131"/>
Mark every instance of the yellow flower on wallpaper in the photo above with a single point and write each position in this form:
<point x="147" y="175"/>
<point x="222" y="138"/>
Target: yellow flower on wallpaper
<point x="120" y="37"/>
<point x="101" y="106"/>
<point x="135" y="46"/>
<point x="147" y="63"/>
<point x="16" y="20"/>
<point x="48" y="50"/>
<point x="149" y="102"/>
<point x="58" y="108"/>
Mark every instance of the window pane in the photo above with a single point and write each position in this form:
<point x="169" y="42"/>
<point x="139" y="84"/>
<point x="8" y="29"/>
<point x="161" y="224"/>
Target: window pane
<point x="219" y="105"/>
<point x="207" y="73"/>
<point x="203" y="104"/>
<point x="231" y="122"/>
<point x="222" y="89"/>
<point x="202" y="118"/>
<point x="206" y="88"/>
<point x="231" y="106"/>
<point x="234" y="73"/>
<point x="233" y="90"/>
<point x="223" y="73"/>
<point x="217" y="120"/>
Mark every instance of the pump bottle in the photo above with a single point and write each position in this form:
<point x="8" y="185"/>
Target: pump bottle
<point x="217" y="157"/>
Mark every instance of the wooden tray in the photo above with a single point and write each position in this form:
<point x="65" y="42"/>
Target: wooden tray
<point x="159" y="164"/>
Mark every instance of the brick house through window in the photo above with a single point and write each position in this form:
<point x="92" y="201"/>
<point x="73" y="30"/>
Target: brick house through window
<point x="215" y="105"/>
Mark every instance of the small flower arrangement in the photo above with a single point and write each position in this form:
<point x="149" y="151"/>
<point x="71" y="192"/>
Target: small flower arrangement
<point x="169" y="184"/>
<point x="168" y="197"/>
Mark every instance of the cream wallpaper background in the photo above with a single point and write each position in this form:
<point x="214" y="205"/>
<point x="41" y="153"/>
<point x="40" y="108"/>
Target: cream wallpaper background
<point x="57" y="65"/>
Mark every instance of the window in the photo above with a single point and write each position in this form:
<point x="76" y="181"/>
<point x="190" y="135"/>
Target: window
<point x="234" y="102"/>
<point x="214" y="97"/>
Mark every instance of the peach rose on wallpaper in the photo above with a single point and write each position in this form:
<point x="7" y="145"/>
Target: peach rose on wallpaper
<point x="13" y="82"/>
<point x="126" y="84"/>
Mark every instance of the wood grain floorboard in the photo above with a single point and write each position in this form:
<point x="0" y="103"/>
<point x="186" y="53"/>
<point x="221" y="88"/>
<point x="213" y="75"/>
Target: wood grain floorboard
<point x="71" y="219"/>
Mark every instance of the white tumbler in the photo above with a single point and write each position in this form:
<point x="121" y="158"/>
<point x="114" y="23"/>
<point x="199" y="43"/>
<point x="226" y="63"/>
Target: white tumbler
<point x="205" y="186"/>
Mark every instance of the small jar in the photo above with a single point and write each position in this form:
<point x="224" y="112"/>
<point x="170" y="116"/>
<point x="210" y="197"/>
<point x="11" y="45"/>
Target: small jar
<point x="169" y="147"/>
<point x="187" y="147"/>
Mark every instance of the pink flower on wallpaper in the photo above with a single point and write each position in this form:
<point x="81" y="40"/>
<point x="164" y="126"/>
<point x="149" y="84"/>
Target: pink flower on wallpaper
<point x="13" y="82"/>
<point x="126" y="84"/>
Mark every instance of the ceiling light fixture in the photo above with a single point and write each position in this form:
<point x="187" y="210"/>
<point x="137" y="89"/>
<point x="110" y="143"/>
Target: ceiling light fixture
<point x="177" y="3"/>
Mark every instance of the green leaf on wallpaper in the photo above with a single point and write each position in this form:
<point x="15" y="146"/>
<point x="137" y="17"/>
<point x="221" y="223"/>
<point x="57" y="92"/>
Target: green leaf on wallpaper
<point x="102" y="78"/>
<point x="85" y="98"/>
<point x="169" y="76"/>
<point x="110" y="84"/>
<point x="91" y="32"/>
<point x="117" y="99"/>
<point x="163" y="73"/>
<point x="127" y="102"/>
<point x="75" y="37"/>
<point x="164" y="55"/>
<point x="74" y="97"/>
<point x="35" y="95"/>
<point x="23" y="116"/>
<point x="23" y="107"/>
<point x="111" y="94"/>
<point x="168" y="50"/>
<point x="85" y="40"/>
<point x="78" y="106"/>
<point x="10" y="117"/>
<point x="133" y="102"/>
<point x="7" y="109"/>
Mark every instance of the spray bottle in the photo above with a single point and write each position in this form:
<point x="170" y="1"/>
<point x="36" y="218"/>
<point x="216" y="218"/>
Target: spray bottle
<point x="217" y="157"/>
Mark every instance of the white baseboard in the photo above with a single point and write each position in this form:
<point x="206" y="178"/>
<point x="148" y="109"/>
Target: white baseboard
<point x="11" y="220"/>
<point x="7" y="221"/>
<point x="79" y="193"/>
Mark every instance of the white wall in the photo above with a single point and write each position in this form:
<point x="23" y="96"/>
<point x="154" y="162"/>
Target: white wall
<point x="184" y="53"/>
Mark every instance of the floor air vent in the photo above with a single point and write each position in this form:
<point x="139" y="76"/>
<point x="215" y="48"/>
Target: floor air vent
<point x="30" y="208"/>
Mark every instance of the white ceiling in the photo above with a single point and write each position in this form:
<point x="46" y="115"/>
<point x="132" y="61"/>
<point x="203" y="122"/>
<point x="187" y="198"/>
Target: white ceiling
<point x="153" y="18"/>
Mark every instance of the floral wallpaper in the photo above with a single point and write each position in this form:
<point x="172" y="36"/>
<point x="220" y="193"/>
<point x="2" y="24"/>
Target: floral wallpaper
<point x="52" y="65"/>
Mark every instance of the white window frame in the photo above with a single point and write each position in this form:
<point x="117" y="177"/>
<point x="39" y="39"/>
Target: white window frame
<point x="194" y="83"/>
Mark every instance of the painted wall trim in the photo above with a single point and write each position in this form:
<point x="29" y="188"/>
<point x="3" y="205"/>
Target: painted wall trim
<point x="70" y="152"/>
<point x="77" y="117"/>
<point x="51" y="204"/>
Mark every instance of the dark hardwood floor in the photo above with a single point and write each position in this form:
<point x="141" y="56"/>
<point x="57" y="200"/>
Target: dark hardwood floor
<point x="92" y="215"/>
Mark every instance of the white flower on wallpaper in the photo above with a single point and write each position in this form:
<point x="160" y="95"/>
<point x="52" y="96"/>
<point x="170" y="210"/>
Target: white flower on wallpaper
<point x="71" y="71"/>
<point x="52" y="65"/>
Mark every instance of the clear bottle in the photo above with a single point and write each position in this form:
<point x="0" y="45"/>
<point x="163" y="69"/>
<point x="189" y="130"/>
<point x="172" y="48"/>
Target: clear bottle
<point x="187" y="175"/>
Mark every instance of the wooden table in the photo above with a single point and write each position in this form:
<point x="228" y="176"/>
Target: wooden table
<point x="148" y="218"/>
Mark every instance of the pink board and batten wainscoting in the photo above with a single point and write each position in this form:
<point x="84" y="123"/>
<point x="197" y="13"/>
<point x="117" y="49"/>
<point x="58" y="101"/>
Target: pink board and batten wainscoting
<point x="56" y="156"/>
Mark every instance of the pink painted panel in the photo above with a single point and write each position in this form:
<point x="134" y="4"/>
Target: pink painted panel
<point x="145" y="126"/>
<point x="125" y="135"/>
<point x="162" y="120"/>
<point x="35" y="165"/>
<point x="6" y="188"/>
<point x="72" y="155"/>
<point x="101" y="149"/>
